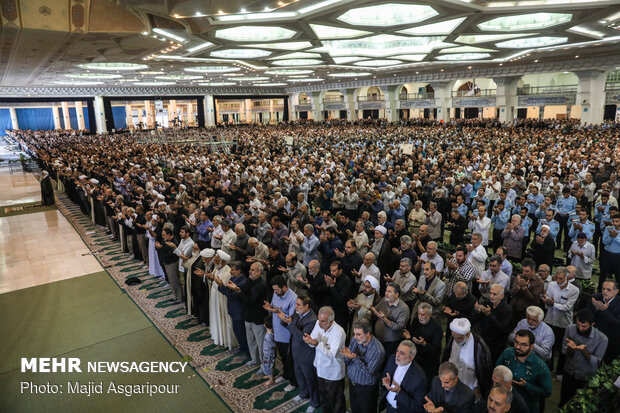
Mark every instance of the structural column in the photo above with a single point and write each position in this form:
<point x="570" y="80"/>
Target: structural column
<point x="14" y="124"/>
<point x="391" y="111"/>
<point x="190" y="114"/>
<point x="349" y="103"/>
<point x="317" y="107"/>
<point x="591" y="95"/>
<point x="149" y="114"/>
<point x="129" y="116"/>
<point x="209" y="111"/>
<point x="79" y="113"/>
<point x="56" y="115"/>
<point x="65" y="115"/>
<point x="293" y="102"/>
<point x="100" y="119"/>
<point x="443" y="98"/>
<point x="506" y="97"/>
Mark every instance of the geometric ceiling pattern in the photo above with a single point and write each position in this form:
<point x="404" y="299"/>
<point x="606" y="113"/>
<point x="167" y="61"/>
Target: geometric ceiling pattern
<point x="249" y="42"/>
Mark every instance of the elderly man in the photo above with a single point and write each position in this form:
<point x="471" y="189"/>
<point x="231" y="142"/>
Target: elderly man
<point x="295" y="274"/>
<point x="460" y="304"/>
<point x="241" y="247"/>
<point x="430" y="256"/>
<point x="427" y="334"/>
<point x="481" y="224"/>
<point x="405" y="279"/>
<point x="560" y="300"/>
<point x="262" y="229"/>
<point x="477" y="254"/>
<point x="493" y="275"/>
<point x="492" y="318"/>
<point x="261" y="251"/>
<point x="382" y="252"/>
<point x="606" y="309"/>
<point x="392" y="317"/>
<point x="430" y="289"/>
<point x="470" y="353"/>
<point x="448" y="393"/>
<point x="200" y="286"/>
<point x="170" y="262"/>
<point x="582" y="254"/>
<point x="433" y="219"/>
<point x="368" y="267"/>
<point x="302" y="322"/>
<point x="502" y="377"/>
<point x="531" y="374"/>
<point x="229" y="237"/>
<point x="500" y="400"/>
<point x="513" y="236"/>
<point x="328" y="338"/>
<point x="417" y="216"/>
<point x="364" y="359"/>
<point x="367" y="297"/>
<point x="543" y="247"/>
<point x="404" y="382"/>
<point x="526" y="290"/>
<point x="458" y="269"/>
<point x="543" y="334"/>
<point x="309" y="245"/>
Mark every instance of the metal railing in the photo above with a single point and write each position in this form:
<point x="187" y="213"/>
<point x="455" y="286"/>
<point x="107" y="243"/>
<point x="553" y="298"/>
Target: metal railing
<point x="547" y="90"/>
<point x="414" y="96"/>
<point x="334" y="99"/>
<point x="474" y="94"/>
<point x="373" y="98"/>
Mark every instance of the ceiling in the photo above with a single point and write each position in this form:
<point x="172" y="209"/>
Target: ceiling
<point x="288" y="43"/>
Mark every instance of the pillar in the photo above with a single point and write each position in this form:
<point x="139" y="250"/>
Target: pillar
<point x="65" y="115"/>
<point x="349" y="103"/>
<point x="129" y="116"/>
<point x="506" y="97"/>
<point x="56" y="115"/>
<point x="149" y="114"/>
<point x="247" y="104"/>
<point x="443" y="98"/>
<point x="391" y="111"/>
<point x="190" y="114"/>
<point x="317" y="107"/>
<point x="209" y="111"/>
<point x="79" y="112"/>
<point x="591" y="95"/>
<point x="14" y="124"/>
<point x="293" y="100"/>
<point x="100" y="119"/>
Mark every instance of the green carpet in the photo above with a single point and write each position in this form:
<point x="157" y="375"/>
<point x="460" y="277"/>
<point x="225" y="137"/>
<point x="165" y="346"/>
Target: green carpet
<point x="90" y="318"/>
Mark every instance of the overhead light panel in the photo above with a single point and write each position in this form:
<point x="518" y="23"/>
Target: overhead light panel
<point x="462" y="56"/>
<point x="255" y="33"/>
<point x="297" y="62"/>
<point x="178" y="77"/>
<point x="154" y="83"/>
<point x="378" y="62"/>
<point x="532" y="42"/>
<point x="531" y="21"/>
<point x="199" y="47"/>
<point x="484" y="38"/>
<point x="94" y="75"/>
<point x="331" y="32"/>
<point x="212" y="69"/>
<point x="349" y="74"/>
<point x="288" y="72"/>
<point x="305" y="80"/>
<point x="113" y="66"/>
<point x="389" y="14"/>
<point x="170" y="35"/>
<point x="444" y="27"/>
<point x="297" y="55"/>
<point x="282" y="45"/>
<point x="240" y="53"/>
<point x="382" y="45"/>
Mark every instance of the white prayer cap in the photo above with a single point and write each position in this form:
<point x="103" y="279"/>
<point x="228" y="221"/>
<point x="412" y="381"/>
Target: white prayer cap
<point x="373" y="282"/>
<point x="545" y="226"/>
<point x="207" y="253"/>
<point x="183" y="187"/>
<point x="223" y="255"/>
<point x="180" y="175"/>
<point x="160" y="196"/>
<point x="137" y="166"/>
<point x="114" y="170"/>
<point x="131" y="164"/>
<point x="161" y="203"/>
<point x="82" y="176"/>
<point x="460" y="326"/>
<point x="94" y="181"/>
<point x="381" y="229"/>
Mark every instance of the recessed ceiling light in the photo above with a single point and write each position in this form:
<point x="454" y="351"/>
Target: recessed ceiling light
<point x="199" y="47"/>
<point x="170" y="35"/>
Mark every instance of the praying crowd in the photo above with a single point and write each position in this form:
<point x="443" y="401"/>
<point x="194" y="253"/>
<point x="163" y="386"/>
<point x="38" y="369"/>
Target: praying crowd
<point x="454" y="278"/>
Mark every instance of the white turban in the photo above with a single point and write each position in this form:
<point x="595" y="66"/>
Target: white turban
<point x="373" y="282"/>
<point x="460" y="326"/>
<point x="94" y="181"/>
<point x="183" y="187"/>
<point x="161" y="203"/>
<point x="160" y="196"/>
<point x="381" y="229"/>
<point x="223" y="255"/>
<point x="207" y="253"/>
<point x="545" y="226"/>
<point x="82" y="177"/>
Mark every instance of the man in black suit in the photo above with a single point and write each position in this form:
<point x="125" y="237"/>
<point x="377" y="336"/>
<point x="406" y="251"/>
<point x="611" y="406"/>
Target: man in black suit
<point x="447" y="393"/>
<point x="404" y="381"/>
<point x="300" y="323"/>
<point x="606" y="309"/>
<point x="427" y="334"/>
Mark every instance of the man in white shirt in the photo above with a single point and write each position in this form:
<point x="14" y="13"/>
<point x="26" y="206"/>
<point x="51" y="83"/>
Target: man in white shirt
<point x="329" y="338"/>
<point x="481" y="224"/>
<point x="430" y="256"/>
<point x="477" y="254"/>
<point x="184" y="249"/>
<point x="493" y="275"/>
<point x="582" y="254"/>
<point x="367" y="268"/>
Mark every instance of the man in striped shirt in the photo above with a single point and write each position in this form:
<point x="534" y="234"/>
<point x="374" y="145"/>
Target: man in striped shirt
<point x="364" y="358"/>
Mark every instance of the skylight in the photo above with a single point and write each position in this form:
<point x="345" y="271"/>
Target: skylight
<point x="94" y="75"/>
<point x="240" y="53"/>
<point x="389" y="14"/>
<point x="349" y="74"/>
<point x="532" y="21"/>
<point x="462" y="56"/>
<point x="212" y="69"/>
<point x="297" y="62"/>
<point x="255" y="33"/>
<point x="282" y="46"/>
<point x="484" y="38"/>
<point x="382" y="45"/>
<point x="532" y="42"/>
<point x="332" y="32"/>
<point x="378" y="62"/>
<point x="444" y="27"/>
<point x="287" y="72"/>
<point x="114" y="66"/>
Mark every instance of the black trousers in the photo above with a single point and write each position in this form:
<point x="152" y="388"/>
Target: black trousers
<point x="558" y="332"/>
<point x="363" y="399"/>
<point x="286" y="355"/>
<point x="563" y="221"/>
<point x="239" y="330"/>
<point x="331" y="393"/>
<point x="570" y="385"/>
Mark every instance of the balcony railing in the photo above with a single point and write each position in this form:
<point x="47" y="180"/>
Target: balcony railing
<point x="373" y="98"/>
<point x="547" y="90"/>
<point x="612" y="87"/>
<point x="334" y="99"/>
<point x="414" y="96"/>
<point x="474" y="94"/>
<point x="305" y="101"/>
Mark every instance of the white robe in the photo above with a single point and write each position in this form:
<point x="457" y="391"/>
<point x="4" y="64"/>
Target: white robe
<point x="220" y="323"/>
<point x="154" y="266"/>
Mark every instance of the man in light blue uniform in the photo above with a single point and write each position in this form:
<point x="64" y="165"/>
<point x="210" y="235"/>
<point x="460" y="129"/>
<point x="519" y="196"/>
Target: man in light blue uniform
<point x="499" y="219"/>
<point x="566" y="205"/>
<point x="526" y="223"/>
<point x="581" y="225"/>
<point x="601" y="214"/>
<point x="611" y="242"/>
<point x="554" y="226"/>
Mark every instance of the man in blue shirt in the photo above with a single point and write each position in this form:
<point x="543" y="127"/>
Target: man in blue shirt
<point x="583" y="224"/>
<point x="283" y="301"/>
<point x="364" y="358"/>
<point x="204" y="230"/>
<point x="566" y="205"/>
<point x="499" y="219"/>
<point x="611" y="240"/>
